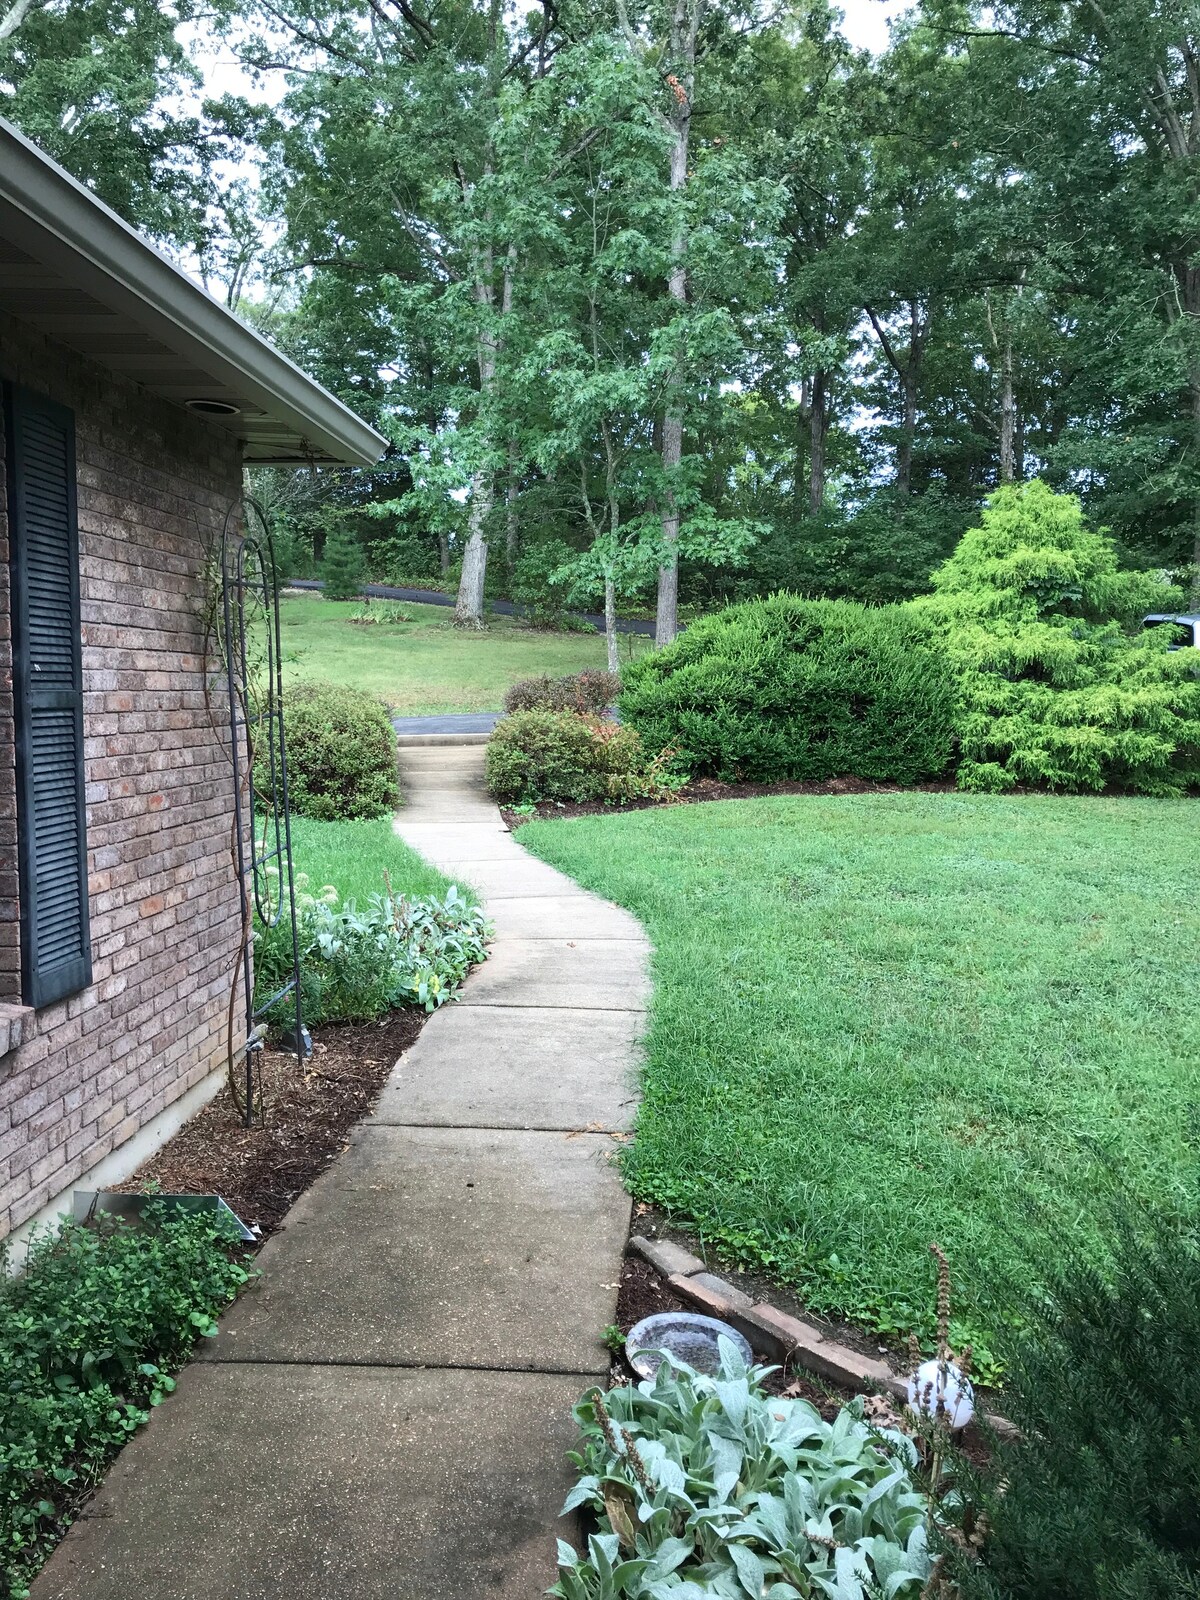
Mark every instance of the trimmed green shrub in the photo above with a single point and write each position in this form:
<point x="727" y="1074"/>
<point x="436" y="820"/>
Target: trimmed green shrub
<point x="559" y="755"/>
<point x="89" y="1335"/>
<point x="1060" y="686"/>
<point x="343" y="566"/>
<point x="581" y="691"/>
<point x="1100" y="1498"/>
<point x="800" y="689"/>
<point x="360" y="962"/>
<point x="341" y="753"/>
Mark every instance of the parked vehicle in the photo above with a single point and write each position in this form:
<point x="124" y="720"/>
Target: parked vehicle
<point x="1186" y="628"/>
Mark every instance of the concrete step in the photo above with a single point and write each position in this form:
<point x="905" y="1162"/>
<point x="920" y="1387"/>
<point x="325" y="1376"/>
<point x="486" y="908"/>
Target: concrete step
<point x="425" y="741"/>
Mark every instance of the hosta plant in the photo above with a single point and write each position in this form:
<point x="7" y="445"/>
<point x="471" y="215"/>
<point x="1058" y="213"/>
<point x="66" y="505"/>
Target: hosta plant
<point x="708" y="1487"/>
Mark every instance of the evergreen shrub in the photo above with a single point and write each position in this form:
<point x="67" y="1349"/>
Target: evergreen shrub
<point x="341" y="753"/>
<point x="1060" y="686"/>
<point x="580" y="691"/>
<point x="1100" y="1497"/>
<point x="560" y="755"/>
<point x="786" y="688"/>
<point x="343" y="566"/>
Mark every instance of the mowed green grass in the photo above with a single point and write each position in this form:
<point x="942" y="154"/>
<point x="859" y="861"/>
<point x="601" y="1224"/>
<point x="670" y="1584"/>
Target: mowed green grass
<point x="428" y="665"/>
<point x="353" y="856"/>
<point x="889" y="1019"/>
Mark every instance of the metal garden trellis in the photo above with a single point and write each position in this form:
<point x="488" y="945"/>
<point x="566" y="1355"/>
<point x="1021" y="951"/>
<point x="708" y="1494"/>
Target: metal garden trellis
<point x="251" y="648"/>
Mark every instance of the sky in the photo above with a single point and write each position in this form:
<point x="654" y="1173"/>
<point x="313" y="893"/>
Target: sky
<point x="866" y="21"/>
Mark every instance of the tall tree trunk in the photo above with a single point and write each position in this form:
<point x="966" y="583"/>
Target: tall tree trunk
<point x="512" y="530"/>
<point x="818" y="429"/>
<point x="512" y="521"/>
<point x="908" y="429"/>
<point x="908" y="372"/>
<point x="666" y="624"/>
<point x="803" y="429"/>
<point x="1194" y="385"/>
<point x="614" y="531"/>
<point x="468" y="610"/>
<point x="1008" y="411"/>
<point x="443" y="554"/>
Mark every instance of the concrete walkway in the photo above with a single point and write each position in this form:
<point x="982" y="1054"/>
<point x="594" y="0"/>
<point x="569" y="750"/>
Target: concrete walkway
<point x="384" y="1415"/>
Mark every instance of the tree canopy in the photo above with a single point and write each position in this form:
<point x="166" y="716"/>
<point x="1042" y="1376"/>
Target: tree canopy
<point x="681" y="302"/>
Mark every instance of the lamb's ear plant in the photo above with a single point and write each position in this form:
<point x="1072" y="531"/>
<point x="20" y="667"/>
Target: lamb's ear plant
<point x="707" y="1488"/>
<point x="360" y="961"/>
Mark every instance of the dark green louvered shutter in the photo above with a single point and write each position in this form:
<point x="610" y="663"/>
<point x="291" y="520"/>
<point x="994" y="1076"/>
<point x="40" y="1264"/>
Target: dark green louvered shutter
<point x="47" y="697"/>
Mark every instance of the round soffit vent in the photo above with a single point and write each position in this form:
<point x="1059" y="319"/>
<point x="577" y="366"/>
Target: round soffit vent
<point x="213" y="408"/>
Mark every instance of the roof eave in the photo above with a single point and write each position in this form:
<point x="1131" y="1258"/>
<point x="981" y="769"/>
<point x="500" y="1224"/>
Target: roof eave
<point x="111" y="261"/>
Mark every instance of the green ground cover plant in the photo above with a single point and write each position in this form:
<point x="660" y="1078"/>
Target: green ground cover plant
<point x="90" y="1334"/>
<point x="799" y="689"/>
<point x="341" y="753"/>
<point x="362" y="958"/>
<point x="426" y="665"/>
<point x="708" y="1487"/>
<point x="378" y="926"/>
<point x="884" y="1019"/>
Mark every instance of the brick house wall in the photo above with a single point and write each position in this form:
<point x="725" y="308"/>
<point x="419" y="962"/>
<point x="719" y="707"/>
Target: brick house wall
<point x="81" y="1078"/>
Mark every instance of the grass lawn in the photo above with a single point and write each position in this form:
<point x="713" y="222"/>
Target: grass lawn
<point x="882" y="1020"/>
<point x="353" y="856"/>
<point x="428" y="664"/>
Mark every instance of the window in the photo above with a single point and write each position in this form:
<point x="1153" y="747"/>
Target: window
<point x="47" y="697"/>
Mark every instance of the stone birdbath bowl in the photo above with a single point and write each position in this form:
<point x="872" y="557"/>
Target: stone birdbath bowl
<point x="685" y="1335"/>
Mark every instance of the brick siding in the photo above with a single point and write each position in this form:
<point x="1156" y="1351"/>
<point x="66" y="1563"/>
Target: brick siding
<point x="154" y="484"/>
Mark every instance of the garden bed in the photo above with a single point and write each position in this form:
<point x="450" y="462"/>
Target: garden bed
<point x="705" y="789"/>
<point x="644" y="1292"/>
<point x="311" y="1108"/>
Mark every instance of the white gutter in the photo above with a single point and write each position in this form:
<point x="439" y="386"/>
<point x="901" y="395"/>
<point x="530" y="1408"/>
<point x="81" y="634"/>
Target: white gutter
<point x="61" y="223"/>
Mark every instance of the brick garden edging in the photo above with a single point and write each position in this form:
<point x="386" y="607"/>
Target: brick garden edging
<point x="773" y="1333"/>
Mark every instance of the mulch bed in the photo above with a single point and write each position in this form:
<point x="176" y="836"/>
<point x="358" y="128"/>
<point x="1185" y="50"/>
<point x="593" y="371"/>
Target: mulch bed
<point x="310" y="1109"/>
<point x="643" y="1293"/>
<point x="700" y="790"/>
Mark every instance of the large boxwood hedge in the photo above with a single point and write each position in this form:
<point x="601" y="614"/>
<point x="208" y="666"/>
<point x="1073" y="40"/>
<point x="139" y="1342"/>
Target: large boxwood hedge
<point x="786" y="688"/>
